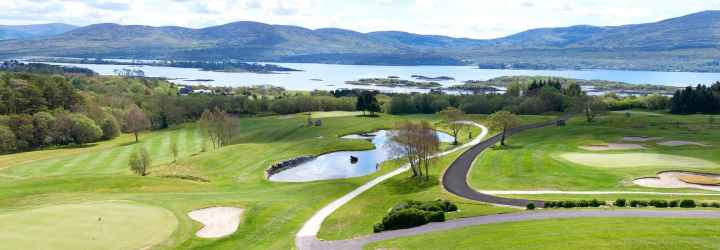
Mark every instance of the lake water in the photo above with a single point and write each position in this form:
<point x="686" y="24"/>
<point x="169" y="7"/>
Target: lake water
<point x="334" y="76"/>
<point x="337" y="165"/>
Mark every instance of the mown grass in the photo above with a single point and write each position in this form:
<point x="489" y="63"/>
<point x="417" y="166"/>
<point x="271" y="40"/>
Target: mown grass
<point x="586" y="233"/>
<point x="274" y="211"/>
<point x="533" y="162"/>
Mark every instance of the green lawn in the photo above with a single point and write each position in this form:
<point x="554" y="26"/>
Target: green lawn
<point x="535" y="159"/>
<point x="586" y="233"/>
<point x="274" y="211"/>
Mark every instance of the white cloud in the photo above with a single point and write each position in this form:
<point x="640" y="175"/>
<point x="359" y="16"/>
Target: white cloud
<point x="464" y="18"/>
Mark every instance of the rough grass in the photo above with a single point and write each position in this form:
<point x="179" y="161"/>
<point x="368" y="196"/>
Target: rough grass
<point x="91" y="225"/>
<point x="590" y="233"/>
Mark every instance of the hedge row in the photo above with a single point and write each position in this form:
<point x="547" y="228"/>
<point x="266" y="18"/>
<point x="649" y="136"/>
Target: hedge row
<point x="414" y="213"/>
<point x="662" y="203"/>
<point x="572" y="204"/>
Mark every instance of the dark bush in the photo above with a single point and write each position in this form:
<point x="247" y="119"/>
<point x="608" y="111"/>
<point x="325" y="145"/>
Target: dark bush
<point x="431" y="206"/>
<point x="673" y="203"/>
<point x="715" y="205"/>
<point x="704" y="204"/>
<point x="530" y="206"/>
<point x="659" y="203"/>
<point x="620" y="203"/>
<point x="569" y="204"/>
<point x="687" y="204"/>
<point x="404" y="218"/>
<point x="438" y="216"/>
<point x="583" y="203"/>
<point x="378" y="227"/>
<point x="634" y="203"/>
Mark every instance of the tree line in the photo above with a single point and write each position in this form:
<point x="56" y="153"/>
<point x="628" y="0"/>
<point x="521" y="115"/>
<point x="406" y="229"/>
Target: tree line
<point x="700" y="99"/>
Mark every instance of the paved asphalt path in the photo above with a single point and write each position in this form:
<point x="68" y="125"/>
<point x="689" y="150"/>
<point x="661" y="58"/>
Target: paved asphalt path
<point x="455" y="177"/>
<point x="358" y="243"/>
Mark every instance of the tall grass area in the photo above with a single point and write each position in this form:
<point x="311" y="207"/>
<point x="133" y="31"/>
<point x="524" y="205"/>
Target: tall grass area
<point x="587" y="233"/>
<point x="533" y="161"/>
<point x="235" y="174"/>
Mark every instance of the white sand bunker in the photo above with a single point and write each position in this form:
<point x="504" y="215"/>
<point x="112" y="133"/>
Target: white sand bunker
<point x="612" y="146"/>
<point x="636" y="160"/>
<point x="672" y="179"/>
<point x="640" y="138"/>
<point x="218" y="221"/>
<point x="682" y="143"/>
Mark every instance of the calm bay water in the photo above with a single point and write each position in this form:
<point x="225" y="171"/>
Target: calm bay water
<point x="334" y="76"/>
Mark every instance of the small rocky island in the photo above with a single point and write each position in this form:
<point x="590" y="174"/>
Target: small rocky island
<point x="393" y="83"/>
<point x="429" y="78"/>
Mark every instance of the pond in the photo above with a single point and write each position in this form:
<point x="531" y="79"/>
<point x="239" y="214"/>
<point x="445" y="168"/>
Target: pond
<point x="337" y="165"/>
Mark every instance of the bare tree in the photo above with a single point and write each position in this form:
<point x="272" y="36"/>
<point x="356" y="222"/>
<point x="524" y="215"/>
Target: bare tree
<point x="453" y="118"/>
<point x="590" y="106"/>
<point x="218" y="126"/>
<point x="504" y="121"/>
<point x="135" y="120"/>
<point x="418" y="142"/>
<point x="174" y="150"/>
<point x="140" y="161"/>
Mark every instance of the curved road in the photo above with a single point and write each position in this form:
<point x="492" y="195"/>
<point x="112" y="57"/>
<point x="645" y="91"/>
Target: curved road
<point x="455" y="177"/>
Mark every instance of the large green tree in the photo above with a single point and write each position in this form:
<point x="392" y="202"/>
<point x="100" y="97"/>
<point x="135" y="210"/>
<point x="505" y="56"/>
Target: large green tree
<point x="504" y="121"/>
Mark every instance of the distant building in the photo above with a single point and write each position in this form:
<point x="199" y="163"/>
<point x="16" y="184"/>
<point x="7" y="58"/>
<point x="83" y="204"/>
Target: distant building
<point x="129" y="72"/>
<point x="203" y="91"/>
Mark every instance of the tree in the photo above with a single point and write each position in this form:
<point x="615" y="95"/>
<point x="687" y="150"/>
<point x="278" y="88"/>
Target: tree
<point x="135" y="120"/>
<point x="366" y="102"/>
<point x="7" y="139"/>
<point x="590" y="106"/>
<point x="140" y="161"/>
<point x="174" y="150"/>
<point x="84" y="129"/>
<point x="42" y="125"/>
<point x="218" y="126"/>
<point x="504" y="121"/>
<point x="453" y="118"/>
<point x="110" y="127"/>
<point x="418" y="142"/>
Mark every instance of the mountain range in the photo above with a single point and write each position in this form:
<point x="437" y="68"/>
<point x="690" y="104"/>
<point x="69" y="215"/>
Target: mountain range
<point x="687" y="43"/>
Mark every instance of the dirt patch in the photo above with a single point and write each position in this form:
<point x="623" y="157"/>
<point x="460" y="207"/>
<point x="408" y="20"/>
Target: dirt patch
<point x="674" y="179"/>
<point x="612" y="146"/>
<point x="218" y="221"/>
<point x="640" y="138"/>
<point x="681" y="143"/>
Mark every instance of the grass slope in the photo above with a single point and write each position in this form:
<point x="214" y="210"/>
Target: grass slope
<point x="533" y="162"/>
<point x="274" y="211"/>
<point x="591" y="233"/>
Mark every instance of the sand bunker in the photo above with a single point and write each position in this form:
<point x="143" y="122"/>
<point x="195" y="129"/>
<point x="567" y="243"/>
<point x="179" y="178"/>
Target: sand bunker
<point x="681" y="143"/>
<point x="612" y="146"/>
<point x="640" y="138"/>
<point x="673" y="179"/>
<point x="635" y="160"/>
<point x="218" y="221"/>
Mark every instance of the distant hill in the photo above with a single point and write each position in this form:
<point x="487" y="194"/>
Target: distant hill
<point x="8" y="32"/>
<point x="689" y="43"/>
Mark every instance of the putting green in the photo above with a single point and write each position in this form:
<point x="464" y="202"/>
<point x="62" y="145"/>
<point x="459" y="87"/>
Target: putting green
<point x="92" y="225"/>
<point x="635" y="160"/>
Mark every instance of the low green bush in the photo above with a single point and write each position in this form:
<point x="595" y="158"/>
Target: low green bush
<point x="530" y="206"/>
<point x="687" y="204"/>
<point x="659" y="203"/>
<point x="409" y="214"/>
<point x="620" y="203"/>
<point x="673" y="203"/>
<point x="715" y="205"/>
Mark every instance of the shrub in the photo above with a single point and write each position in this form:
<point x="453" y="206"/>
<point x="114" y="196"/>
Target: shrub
<point x="634" y="203"/>
<point x="620" y="203"/>
<point x="583" y="203"/>
<point x="687" y="204"/>
<point x="530" y="206"/>
<point x="673" y="203"/>
<point x="410" y="213"/>
<point x="704" y="204"/>
<point x="404" y="218"/>
<point x="715" y="205"/>
<point x="378" y="227"/>
<point x="659" y="203"/>
<point x="569" y="204"/>
<point x="438" y="216"/>
<point x="549" y="204"/>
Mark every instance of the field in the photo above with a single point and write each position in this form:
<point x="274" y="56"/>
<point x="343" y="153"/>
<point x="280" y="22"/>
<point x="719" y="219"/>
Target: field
<point x="551" y="158"/>
<point x="588" y="233"/>
<point x="234" y="174"/>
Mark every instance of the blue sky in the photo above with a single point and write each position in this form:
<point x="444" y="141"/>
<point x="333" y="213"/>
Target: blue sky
<point x="460" y="18"/>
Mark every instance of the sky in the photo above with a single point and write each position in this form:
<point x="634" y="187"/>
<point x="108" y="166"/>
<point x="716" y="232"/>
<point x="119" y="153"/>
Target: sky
<point x="459" y="18"/>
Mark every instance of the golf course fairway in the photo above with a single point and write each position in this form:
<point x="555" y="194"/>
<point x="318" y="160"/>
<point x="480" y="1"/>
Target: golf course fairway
<point x="92" y="225"/>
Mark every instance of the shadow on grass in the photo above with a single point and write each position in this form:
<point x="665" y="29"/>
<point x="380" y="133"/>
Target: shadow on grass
<point x="506" y="147"/>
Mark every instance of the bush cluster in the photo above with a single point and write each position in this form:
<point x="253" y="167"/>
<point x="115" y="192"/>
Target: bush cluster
<point x="414" y="213"/>
<point x="572" y="204"/>
<point x="714" y="204"/>
<point x="661" y="203"/>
